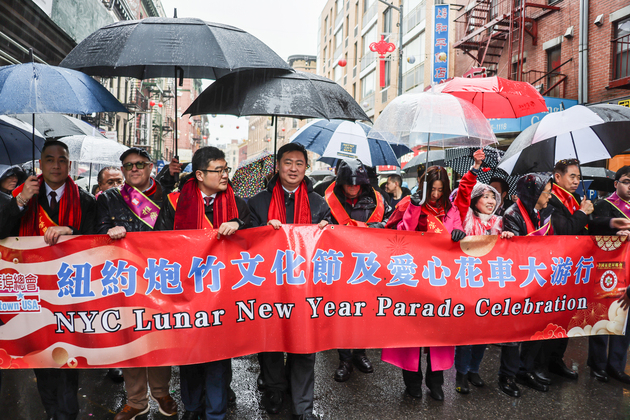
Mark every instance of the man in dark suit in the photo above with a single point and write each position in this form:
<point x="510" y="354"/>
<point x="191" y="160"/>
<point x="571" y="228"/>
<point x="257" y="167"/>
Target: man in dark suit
<point x="52" y="206"/>
<point x="570" y="217"/>
<point x="206" y="201"/>
<point x="612" y="364"/>
<point x="289" y="198"/>
<point x="135" y="208"/>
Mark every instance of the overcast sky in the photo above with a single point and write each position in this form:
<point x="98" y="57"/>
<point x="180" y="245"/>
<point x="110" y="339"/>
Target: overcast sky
<point x="288" y="27"/>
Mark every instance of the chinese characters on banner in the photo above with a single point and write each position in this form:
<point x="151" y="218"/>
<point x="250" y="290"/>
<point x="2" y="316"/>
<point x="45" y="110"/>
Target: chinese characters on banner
<point x="440" y="43"/>
<point x="141" y="301"/>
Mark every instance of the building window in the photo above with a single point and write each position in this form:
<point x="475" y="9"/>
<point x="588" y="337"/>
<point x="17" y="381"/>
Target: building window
<point x="553" y="62"/>
<point x="367" y="4"/>
<point x="367" y="85"/>
<point x="387" y="22"/>
<point x="338" y="73"/>
<point x="621" y="49"/>
<point x="339" y="7"/>
<point x="338" y="38"/>
<point x="388" y="73"/>
<point x="414" y="49"/>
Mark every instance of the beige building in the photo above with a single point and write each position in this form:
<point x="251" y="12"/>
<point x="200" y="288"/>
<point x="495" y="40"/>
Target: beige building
<point x="346" y="30"/>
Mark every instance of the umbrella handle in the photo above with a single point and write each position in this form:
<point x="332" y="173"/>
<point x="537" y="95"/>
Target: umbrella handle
<point x="424" y="192"/>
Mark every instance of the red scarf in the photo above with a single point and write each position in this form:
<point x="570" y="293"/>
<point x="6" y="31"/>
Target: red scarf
<point x="36" y="221"/>
<point x="191" y="213"/>
<point x="565" y="198"/>
<point x="437" y="211"/>
<point x="545" y="229"/>
<point x="302" y="208"/>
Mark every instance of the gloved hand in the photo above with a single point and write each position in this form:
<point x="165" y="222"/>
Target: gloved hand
<point x="457" y="235"/>
<point x="416" y="199"/>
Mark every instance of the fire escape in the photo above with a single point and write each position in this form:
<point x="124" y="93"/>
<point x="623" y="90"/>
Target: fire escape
<point x="494" y="26"/>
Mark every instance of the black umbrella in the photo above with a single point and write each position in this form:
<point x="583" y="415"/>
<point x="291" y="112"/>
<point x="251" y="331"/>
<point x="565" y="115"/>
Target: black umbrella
<point x="167" y="47"/>
<point x="14" y="136"/>
<point x="55" y="126"/>
<point x="436" y="157"/>
<point x="293" y="94"/>
<point x="461" y="159"/>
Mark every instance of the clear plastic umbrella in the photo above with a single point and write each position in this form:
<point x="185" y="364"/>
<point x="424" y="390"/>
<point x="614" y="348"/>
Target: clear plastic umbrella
<point x="433" y="119"/>
<point x="90" y="150"/>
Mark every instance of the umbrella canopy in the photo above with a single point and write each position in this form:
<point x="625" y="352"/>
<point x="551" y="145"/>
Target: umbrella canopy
<point x="320" y="174"/>
<point x="436" y="157"/>
<point x="460" y="159"/>
<point x="338" y="139"/>
<point x="588" y="133"/>
<point x="54" y="126"/>
<point x="281" y="94"/>
<point x="249" y="178"/>
<point x="88" y="149"/>
<point x="496" y="97"/>
<point x="15" y="141"/>
<point x="431" y="118"/>
<point x="34" y="88"/>
<point x="591" y="172"/>
<point x="154" y="47"/>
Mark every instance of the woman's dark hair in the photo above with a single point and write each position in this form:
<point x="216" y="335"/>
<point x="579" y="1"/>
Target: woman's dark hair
<point x="474" y="201"/>
<point x="437" y="173"/>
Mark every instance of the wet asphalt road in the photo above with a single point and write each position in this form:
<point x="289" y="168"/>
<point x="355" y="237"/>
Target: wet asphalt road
<point x="380" y="395"/>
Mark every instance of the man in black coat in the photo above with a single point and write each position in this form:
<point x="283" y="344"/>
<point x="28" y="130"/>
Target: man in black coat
<point x="570" y="217"/>
<point x="289" y="198"/>
<point x="205" y="201"/>
<point x="51" y="206"/>
<point x="612" y="364"/>
<point x="354" y="202"/>
<point x="135" y="208"/>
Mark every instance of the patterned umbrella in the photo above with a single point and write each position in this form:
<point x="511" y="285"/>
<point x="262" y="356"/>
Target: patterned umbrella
<point x="460" y="159"/>
<point x="250" y="176"/>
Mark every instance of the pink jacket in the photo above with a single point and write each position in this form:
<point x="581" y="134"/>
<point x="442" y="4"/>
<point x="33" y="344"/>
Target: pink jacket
<point x="408" y="358"/>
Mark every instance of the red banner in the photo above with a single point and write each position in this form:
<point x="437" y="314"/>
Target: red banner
<point x="166" y="298"/>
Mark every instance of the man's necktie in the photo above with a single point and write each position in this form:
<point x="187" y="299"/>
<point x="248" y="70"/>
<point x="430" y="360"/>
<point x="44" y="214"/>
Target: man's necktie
<point x="208" y="200"/>
<point x="54" y="205"/>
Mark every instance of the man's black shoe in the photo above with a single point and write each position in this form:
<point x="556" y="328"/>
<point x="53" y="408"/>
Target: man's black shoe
<point x="599" y="374"/>
<point x="559" y="368"/>
<point x="461" y="383"/>
<point x="342" y="374"/>
<point x="231" y="396"/>
<point x="116" y="375"/>
<point x="437" y="393"/>
<point x="306" y="416"/>
<point x="363" y="363"/>
<point x="508" y="386"/>
<point x="272" y="401"/>
<point x="192" y="415"/>
<point x="528" y="379"/>
<point x="542" y="377"/>
<point x="260" y="382"/>
<point x="475" y="379"/>
<point x="620" y="376"/>
<point x="414" y="392"/>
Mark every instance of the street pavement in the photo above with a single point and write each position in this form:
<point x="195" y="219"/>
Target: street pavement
<point x="380" y="395"/>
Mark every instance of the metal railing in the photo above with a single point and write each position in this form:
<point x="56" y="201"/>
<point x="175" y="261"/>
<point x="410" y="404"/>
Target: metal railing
<point x="369" y="14"/>
<point x="621" y="57"/>
<point x="414" y="17"/>
<point x="547" y="83"/>
<point x="413" y="77"/>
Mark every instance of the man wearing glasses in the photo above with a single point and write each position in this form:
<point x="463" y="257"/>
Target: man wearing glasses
<point x="612" y="364"/>
<point x="135" y="208"/>
<point x="206" y="201"/>
<point x="107" y="178"/>
<point x="289" y="198"/>
<point x="570" y="217"/>
<point x="52" y="205"/>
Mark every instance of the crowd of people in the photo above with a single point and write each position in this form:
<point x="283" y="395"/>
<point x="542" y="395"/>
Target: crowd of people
<point x="52" y="205"/>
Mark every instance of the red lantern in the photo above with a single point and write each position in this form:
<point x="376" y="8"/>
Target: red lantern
<point x="237" y="127"/>
<point x="189" y="121"/>
<point x="205" y="137"/>
<point x="160" y="105"/>
<point x="152" y="103"/>
<point x="342" y="62"/>
<point x="283" y="128"/>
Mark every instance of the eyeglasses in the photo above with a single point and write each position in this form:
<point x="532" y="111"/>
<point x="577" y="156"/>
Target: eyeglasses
<point x="568" y="162"/>
<point x="625" y="183"/>
<point x="547" y="192"/>
<point x="139" y="165"/>
<point x="218" y="171"/>
<point x="114" y="182"/>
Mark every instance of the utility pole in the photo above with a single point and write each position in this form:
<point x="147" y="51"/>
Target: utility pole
<point x="400" y="41"/>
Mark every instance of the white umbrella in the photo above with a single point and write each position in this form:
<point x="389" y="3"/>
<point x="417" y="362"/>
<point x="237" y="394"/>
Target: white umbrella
<point x="431" y="118"/>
